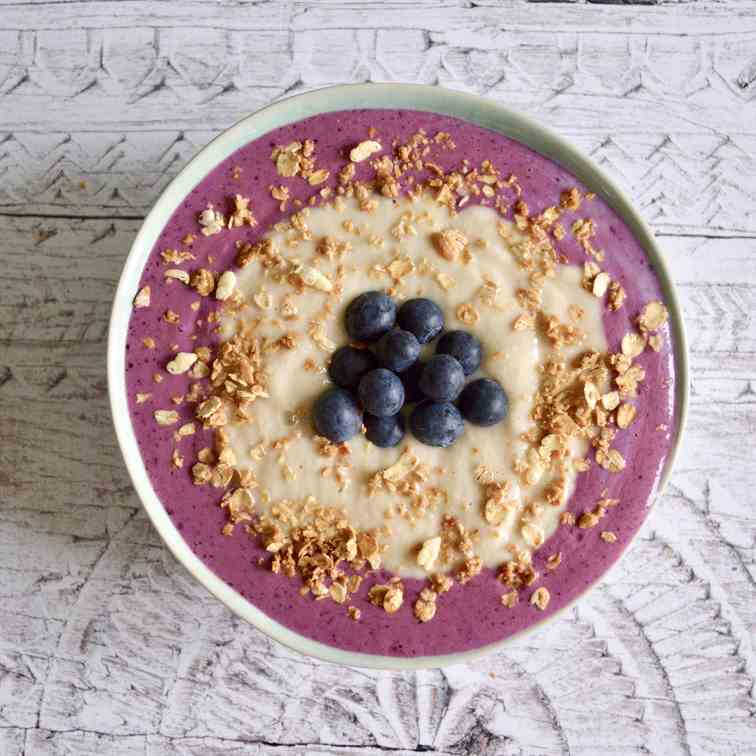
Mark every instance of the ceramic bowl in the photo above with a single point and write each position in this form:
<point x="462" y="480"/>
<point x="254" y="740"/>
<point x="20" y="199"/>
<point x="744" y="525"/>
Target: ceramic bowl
<point x="394" y="96"/>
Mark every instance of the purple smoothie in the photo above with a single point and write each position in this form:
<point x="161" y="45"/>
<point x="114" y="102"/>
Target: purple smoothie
<point x="468" y="616"/>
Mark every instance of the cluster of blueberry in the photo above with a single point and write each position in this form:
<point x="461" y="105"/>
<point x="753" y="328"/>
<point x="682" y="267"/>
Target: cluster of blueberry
<point x="392" y="376"/>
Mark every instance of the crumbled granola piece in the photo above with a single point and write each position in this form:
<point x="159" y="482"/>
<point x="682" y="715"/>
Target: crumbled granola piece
<point x="142" y="299"/>
<point x="176" y="274"/>
<point x="318" y="177"/>
<point x="617" y="295"/>
<point x="444" y="281"/>
<point x="429" y="552"/>
<point x="181" y="363"/>
<point x="364" y="150"/>
<point x="450" y="244"/>
<point x="608" y="536"/>
<point x="354" y="613"/>
<point x="533" y="535"/>
<point x="653" y="316"/>
<point x="201" y="473"/>
<point x="633" y="344"/>
<point x="203" y="282"/>
<point x="625" y="415"/>
<point x="540" y="598"/>
<point x="338" y="592"/>
<point x="467" y="314"/>
<point x="166" y="417"/>
<point x="425" y="606"/>
<point x="313" y="278"/>
<point x="241" y="214"/>
<point x="226" y="285"/>
<point x="211" y="221"/>
<point x="587" y="520"/>
<point x="610" y="400"/>
<point x="570" y="199"/>
<point x="554" y="561"/>
<point x="510" y="599"/>
<point x="469" y="569"/>
<point x="600" y="284"/>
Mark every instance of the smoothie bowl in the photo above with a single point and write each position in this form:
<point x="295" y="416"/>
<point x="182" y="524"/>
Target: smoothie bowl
<point x="396" y="373"/>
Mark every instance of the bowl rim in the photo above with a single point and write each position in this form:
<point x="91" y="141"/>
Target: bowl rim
<point x="432" y="99"/>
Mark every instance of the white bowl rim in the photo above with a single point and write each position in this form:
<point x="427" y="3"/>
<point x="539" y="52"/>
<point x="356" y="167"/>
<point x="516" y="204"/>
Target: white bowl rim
<point x="432" y="99"/>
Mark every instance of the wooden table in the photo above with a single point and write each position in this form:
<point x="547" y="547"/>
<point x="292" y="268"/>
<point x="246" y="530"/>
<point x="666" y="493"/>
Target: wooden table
<point x="106" y="645"/>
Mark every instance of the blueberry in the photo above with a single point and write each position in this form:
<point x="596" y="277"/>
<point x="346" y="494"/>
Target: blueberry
<point x="411" y="382"/>
<point x="336" y="415"/>
<point x="483" y="402"/>
<point x="384" y="431"/>
<point x="381" y="392"/>
<point x="422" y="317"/>
<point x="436" y="423"/>
<point x="464" y="347"/>
<point x="397" y="350"/>
<point x="369" y="316"/>
<point x="442" y="378"/>
<point x="348" y="365"/>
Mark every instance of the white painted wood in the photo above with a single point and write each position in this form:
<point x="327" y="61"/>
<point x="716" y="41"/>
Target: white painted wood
<point x="106" y="645"/>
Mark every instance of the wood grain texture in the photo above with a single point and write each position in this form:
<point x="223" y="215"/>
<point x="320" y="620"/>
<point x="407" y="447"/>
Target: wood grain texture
<point x="106" y="645"/>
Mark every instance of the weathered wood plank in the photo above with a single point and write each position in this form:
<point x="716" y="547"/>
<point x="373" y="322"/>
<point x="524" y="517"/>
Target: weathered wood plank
<point x="107" y="646"/>
<point x="684" y="183"/>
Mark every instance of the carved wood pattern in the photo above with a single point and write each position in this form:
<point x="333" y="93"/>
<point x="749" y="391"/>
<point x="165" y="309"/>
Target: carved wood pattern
<point x="106" y="645"/>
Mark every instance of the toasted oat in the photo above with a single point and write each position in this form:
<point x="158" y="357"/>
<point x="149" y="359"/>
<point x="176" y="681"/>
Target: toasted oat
<point x="226" y="285"/>
<point x="241" y="214"/>
<point x="510" y="599"/>
<point x="588" y="520"/>
<point x="338" y="592"/>
<point x="450" y="244"/>
<point x="142" y="299"/>
<point x="429" y="552"/>
<point x="211" y="221"/>
<point x="287" y="159"/>
<point x="318" y="177"/>
<point x="656" y="341"/>
<point x="141" y="398"/>
<point x="524" y="322"/>
<point x="554" y="561"/>
<point x="166" y="417"/>
<point x="176" y="274"/>
<point x="467" y="314"/>
<point x="445" y="281"/>
<point x="608" y="536"/>
<point x="625" y="415"/>
<point x="181" y="363"/>
<point x="203" y="282"/>
<point x="540" y="598"/>
<point x="653" y="316"/>
<point x="354" y="613"/>
<point x="533" y="535"/>
<point x="633" y="344"/>
<point x="617" y="295"/>
<point x="611" y="460"/>
<point x="148" y="342"/>
<point x="570" y="199"/>
<point x="364" y="150"/>
<point x="600" y="284"/>
<point x="610" y="400"/>
<point x="425" y="606"/>
<point x="314" y="278"/>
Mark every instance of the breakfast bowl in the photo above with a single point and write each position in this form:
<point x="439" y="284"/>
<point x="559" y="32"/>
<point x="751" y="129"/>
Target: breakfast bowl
<point x="387" y="497"/>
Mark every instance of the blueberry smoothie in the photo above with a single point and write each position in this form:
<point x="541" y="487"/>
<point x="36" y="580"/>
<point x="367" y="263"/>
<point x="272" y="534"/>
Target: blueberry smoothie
<point x="402" y="382"/>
